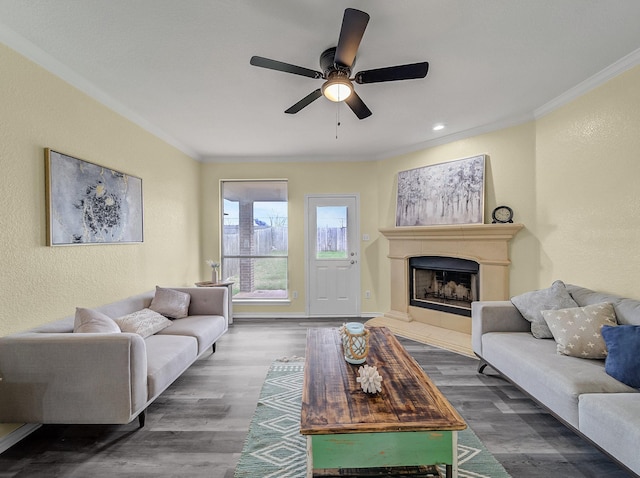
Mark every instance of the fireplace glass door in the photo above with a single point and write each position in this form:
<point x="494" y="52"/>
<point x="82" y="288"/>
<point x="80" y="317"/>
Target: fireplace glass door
<point x="443" y="283"/>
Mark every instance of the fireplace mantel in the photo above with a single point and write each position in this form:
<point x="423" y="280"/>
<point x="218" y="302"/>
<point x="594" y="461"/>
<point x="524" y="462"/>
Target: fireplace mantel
<point x="464" y="232"/>
<point x="487" y="244"/>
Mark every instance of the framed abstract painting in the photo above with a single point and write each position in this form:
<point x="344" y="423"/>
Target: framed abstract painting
<point x="445" y="193"/>
<point x="91" y="204"/>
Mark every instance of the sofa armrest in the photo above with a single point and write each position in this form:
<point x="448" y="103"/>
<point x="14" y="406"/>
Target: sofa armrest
<point x="72" y="378"/>
<point x="494" y="316"/>
<point x="208" y="300"/>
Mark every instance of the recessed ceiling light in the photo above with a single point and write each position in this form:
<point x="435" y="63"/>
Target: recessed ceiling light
<point x="438" y="127"/>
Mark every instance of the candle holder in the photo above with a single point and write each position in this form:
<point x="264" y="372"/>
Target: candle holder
<point x="355" y="342"/>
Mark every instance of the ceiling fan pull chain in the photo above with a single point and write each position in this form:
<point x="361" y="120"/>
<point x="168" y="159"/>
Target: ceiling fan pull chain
<point x="337" y="118"/>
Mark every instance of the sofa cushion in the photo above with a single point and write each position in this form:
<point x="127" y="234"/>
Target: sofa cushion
<point x="531" y="304"/>
<point x="554" y="380"/>
<point x="577" y="330"/>
<point x="143" y="322"/>
<point x="627" y="310"/>
<point x="167" y="357"/>
<point x="127" y="305"/>
<point x="623" y="360"/>
<point x="612" y="421"/>
<point x="171" y="303"/>
<point x="205" y="328"/>
<point x="90" y="321"/>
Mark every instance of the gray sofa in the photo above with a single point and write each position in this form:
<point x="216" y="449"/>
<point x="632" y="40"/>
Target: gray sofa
<point x="50" y="374"/>
<point x="577" y="391"/>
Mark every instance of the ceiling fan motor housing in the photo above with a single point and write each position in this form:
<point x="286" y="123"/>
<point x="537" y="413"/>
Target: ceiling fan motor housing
<point x="329" y="65"/>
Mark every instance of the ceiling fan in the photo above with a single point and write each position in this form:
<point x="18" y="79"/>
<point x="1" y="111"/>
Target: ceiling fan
<point x="337" y="63"/>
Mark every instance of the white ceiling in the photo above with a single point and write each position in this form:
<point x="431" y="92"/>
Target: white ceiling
<point x="180" y="68"/>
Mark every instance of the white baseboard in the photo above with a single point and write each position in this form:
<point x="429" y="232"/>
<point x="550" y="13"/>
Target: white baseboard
<point x="18" y="434"/>
<point x="280" y="315"/>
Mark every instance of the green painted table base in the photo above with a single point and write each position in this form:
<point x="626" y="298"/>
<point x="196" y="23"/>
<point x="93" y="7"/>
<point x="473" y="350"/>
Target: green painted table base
<point x="383" y="450"/>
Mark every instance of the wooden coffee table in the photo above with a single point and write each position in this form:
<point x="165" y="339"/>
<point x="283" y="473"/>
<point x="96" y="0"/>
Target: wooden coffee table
<point x="409" y="427"/>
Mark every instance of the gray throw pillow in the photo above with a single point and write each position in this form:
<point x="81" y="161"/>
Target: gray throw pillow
<point x="531" y="304"/>
<point x="89" y="321"/>
<point x="171" y="303"/>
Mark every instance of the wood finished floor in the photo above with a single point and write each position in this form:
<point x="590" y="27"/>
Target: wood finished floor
<point x="198" y="426"/>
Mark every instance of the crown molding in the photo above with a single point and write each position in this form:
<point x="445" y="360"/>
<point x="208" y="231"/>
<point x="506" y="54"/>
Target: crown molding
<point x="623" y="64"/>
<point x="461" y="135"/>
<point x="46" y="61"/>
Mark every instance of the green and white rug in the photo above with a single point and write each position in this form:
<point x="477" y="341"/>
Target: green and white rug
<point x="275" y="449"/>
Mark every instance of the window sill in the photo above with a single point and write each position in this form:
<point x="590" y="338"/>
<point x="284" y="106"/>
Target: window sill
<point x="261" y="301"/>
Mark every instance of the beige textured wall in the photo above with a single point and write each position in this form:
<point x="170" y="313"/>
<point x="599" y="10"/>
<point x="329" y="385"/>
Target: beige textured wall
<point x="588" y="198"/>
<point x="510" y="170"/>
<point x="40" y="283"/>
<point x="509" y="173"/>
<point x="304" y="178"/>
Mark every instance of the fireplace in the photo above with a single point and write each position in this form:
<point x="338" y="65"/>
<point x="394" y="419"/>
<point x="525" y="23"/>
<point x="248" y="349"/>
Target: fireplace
<point x="485" y="245"/>
<point x="447" y="284"/>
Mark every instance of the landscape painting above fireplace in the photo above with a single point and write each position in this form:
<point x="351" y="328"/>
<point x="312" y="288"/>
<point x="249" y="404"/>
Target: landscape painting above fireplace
<point x="445" y="193"/>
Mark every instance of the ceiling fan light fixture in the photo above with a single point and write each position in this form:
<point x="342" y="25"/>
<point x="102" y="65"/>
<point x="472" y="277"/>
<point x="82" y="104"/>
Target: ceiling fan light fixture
<point x="337" y="88"/>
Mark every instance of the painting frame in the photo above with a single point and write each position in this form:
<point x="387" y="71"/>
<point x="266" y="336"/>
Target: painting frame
<point x="446" y="193"/>
<point x="90" y="204"/>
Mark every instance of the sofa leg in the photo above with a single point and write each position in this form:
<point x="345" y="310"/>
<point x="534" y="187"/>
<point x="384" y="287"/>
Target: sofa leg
<point x="141" y="418"/>
<point x="481" y="366"/>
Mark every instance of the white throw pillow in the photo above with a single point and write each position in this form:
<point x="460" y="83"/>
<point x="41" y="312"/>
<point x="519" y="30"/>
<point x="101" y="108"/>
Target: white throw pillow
<point x="143" y="322"/>
<point x="89" y="321"/>
<point x="171" y="303"/>
<point x="577" y="331"/>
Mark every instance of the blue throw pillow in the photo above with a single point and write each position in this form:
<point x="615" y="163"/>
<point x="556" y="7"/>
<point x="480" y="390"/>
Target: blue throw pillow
<point x="623" y="358"/>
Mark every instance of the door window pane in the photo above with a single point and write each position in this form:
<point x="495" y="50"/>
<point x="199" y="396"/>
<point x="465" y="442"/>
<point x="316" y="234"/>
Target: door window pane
<point x="331" y="232"/>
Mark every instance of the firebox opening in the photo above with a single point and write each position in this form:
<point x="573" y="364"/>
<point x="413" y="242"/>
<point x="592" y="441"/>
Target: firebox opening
<point x="448" y="284"/>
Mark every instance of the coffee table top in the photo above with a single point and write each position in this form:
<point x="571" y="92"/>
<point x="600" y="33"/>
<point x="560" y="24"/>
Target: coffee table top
<point x="333" y="402"/>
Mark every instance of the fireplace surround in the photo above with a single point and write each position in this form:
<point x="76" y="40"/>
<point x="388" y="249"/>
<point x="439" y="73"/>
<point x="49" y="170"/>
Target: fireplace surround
<point x="487" y="245"/>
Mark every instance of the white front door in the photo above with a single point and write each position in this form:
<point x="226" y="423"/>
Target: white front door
<point x="333" y="255"/>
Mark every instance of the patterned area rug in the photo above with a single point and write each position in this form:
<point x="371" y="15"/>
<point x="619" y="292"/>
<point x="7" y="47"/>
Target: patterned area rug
<point x="275" y="449"/>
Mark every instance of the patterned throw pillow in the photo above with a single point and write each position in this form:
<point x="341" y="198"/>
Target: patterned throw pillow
<point x="577" y="331"/>
<point x="530" y="304"/>
<point x="90" y="321"/>
<point x="143" y="322"/>
<point x="171" y="303"/>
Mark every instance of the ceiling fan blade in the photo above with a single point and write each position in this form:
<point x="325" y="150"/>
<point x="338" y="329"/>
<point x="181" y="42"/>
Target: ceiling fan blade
<point x="304" y="102"/>
<point x="286" y="67"/>
<point x="354" y="23"/>
<point x="357" y="106"/>
<point x="393" y="73"/>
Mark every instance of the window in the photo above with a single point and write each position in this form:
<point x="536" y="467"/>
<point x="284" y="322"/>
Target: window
<point x="255" y="238"/>
<point x="331" y="227"/>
